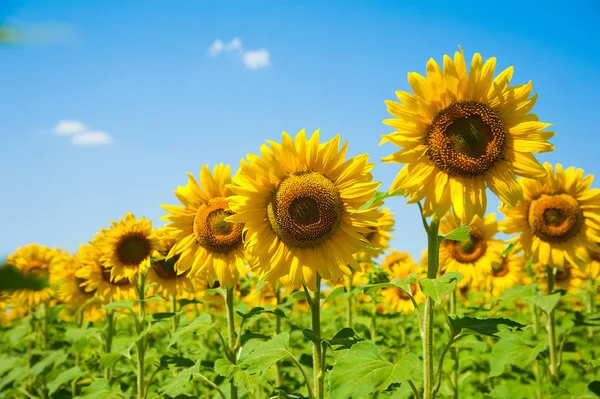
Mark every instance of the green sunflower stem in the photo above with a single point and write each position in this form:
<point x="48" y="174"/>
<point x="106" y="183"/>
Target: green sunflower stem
<point x="432" y="268"/>
<point x="175" y="318"/>
<point x="79" y="318"/>
<point x="231" y="335"/>
<point x="551" y="331"/>
<point x="279" y="376"/>
<point x="454" y="349"/>
<point x="373" y="318"/>
<point x="349" y="304"/>
<point x="141" y="343"/>
<point x="536" y="365"/>
<point x="318" y="352"/>
<point x="45" y="343"/>
<point x="591" y="305"/>
<point x="110" y="318"/>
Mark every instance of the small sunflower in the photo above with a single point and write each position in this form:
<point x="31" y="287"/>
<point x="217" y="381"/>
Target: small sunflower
<point x="472" y="258"/>
<point x="300" y="202"/>
<point x="461" y="132"/>
<point x="558" y="222"/>
<point x="378" y="237"/>
<point x="72" y="291"/>
<point x="164" y="272"/>
<point x="206" y="241"/>
<point x="127" y="246"/>
<point x="592" y="268"/>
<point x="37" y="261"/>
<point x="400" y="265"/>
<point x="570" y="278"/>
<point x="507" y="271"/>
<point x="98" y="279"/>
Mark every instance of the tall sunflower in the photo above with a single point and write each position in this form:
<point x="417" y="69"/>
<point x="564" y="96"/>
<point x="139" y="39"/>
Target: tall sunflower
<point x="165" y="273"/>
<point x="37" y="261"/>
<point x="507" y="271"/>
<point x="127" y="246"/>
<point x="558" y="222"/>
<point x="206" y="241"/>
<point x="472" y="258"/>
<point x="378" y="237"/>
<point x="300" y="201"/>
<point x="400" y="265"/>
<point x="97" y="278"/>
<point x="72" y="291"/>
<point x="462" y="131"/>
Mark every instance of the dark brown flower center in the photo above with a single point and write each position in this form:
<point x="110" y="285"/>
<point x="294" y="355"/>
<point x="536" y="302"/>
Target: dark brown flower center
<point x="79" y="281"/>
<point x="133" y="249"/>
<point x="166" y="268"/>
<point x="555" y="218"/>
<point x="211" y="229"/>
<point x="106" y="277"/>
<point x="562" y="276"/>
<point x="466" y="139"/>
<point x="595" y="256"/>
<point x="305" y="209"/>
<point x="470" y="250"/>
<point x="500" y="269"/>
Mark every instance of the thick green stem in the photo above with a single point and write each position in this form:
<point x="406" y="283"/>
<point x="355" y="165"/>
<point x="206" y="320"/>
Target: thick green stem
<point x="141" y="343"/>
<point x="110" y="317"/>
<point x="373" y="317"/>
<point x="231" y="336"/>
<point x="350" y="303"/>
<point x="432" y="268"/>
<point x="318" y="355"/>
<point x="536" y="364"/>
<point x="454" y="349"/>
<point x="174" y="319"/>
<point x="45" y="344"/>
<point x="279" y="376"/>
<point x="79" y="318"/>
<point x="591" y="304"/>
<point x="551" y="331"/>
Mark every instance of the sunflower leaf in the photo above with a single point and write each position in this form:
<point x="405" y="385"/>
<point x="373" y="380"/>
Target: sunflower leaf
<point x="299" y="295"/>
<point x="458" y="234"/>
<point x="594" y="386"/>
<point x="12" y="279"/>
<point x="333" y="294"/>
<point x="473" y="325"/>
<point x="267" y="354"/>
<point x="260" y="310"/>
<point x="100" y="389"/>
<point x="545" y="302"/>
<point x="436" y="288"/>
<point x="378" y="197"/>
<point x="362" y="371"/>
<point x="122" y="304"/>
<point x="507" y="250"/>
<point x="64" y="377"/>
<point x="512" y="351"/>
<point x="199" y="325"/>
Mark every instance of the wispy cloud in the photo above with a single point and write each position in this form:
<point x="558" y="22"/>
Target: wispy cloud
<point x="252" y="59"/>
<point x="80" y="135"/>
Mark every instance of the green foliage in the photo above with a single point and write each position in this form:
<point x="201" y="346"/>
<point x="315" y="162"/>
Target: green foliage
<point x="460" y="233"/>
<point x="436" y="288"/>
<point x="379" y="197"/>
<point x="513" y="351"/>
<point x="473" y="325"/>
<point x="12" y="278"/>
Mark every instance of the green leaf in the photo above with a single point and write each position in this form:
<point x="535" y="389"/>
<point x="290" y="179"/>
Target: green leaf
<point x="100" y="389"/>
<point x="311" y="336"/>
<point x="370" y="289"/>
<point x="177" y="385"/>
<point x="518" y="292"/>
<point x="594" y="386"/>
<point x="53" y="359"/>
<point x="199" y="325"/>
<point x="507" y="250"/>
<point x="362" y="371"/>
<point x="458" y="234"/>
<point x="333" y="294"/>
<point x="260" y="310"/>
<point x="122" y="304"/>
<point x="154" y="299"/>
<point x="299" y="295"/>
<point x="184" y="301"/>
<point x="225" y="368"/>
<point x="345" y="338"/>
<point x="63" y="378"/>
<point x="378" y="197"/>
<point x="589" y="320"/>
<point x="162" y="316"/>
<point x="215" y="291"/>
<point x="515" y="351"/>
<point x="473" y="325"/>
<point x="267" y="354"/>
<point x="438" y="287"/>
<point x="177" y="361"/>
<point x="109" y="360"/>
<point x="74" y="334"/>
<point x="248" y="335"/>
<point x="545" y="302"/>
<point x="12" y="279"/>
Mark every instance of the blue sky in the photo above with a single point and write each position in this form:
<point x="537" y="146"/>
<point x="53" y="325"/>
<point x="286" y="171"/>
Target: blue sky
<point x="141" y="73"/>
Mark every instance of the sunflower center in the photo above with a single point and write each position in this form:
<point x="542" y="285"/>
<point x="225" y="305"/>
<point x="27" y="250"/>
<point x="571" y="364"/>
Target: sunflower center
<point x="595" y="256"/>
<point x="500" y="269"/>
<point x="132" y="249"/>
<point x="80" y="281"/>
<point x="305" y="209"/>
<point x="562" y="275"/>
<point x="211" y="229"/>
<point x="465" y="139"/>
<point x="166" y="268"/>
<point x="106" y="277"/>
<point x="470" y="250"/>
<point x="555" y="218"/>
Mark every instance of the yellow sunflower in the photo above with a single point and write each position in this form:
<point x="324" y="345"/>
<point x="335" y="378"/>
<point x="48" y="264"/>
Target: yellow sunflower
<point x="570" y="278"/>
<point x="400" y="265"/>
<point x="206" y="242"/>
<point x="98" y="279"/>
<point x="300" y="201"/>
<point x="472" y="258"/>
<point x="170" y="282"/>
<point x="558" y="222"/>
<point x="73" y="293"/>
<point x="37" y="261"/>
<point x="127" y="246"/>
<point x="378" y="237"/>
<point x="462" y="131"/>
<point x="507" y="271"/>
<point x="592" y="268"/>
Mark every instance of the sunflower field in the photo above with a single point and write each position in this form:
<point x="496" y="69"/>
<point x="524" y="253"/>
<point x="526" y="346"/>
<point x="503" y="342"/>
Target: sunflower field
<point x="275" y="278"/>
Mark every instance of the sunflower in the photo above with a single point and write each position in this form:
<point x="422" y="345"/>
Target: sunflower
<point x="507" y="271"/>
<point x="558" y="222"/>
<point x="570" y="278"/>
<point x="72" y="292"/>
<point x="300" y="201"/>
<point x="127" y="246"/>
<point x="97" y="278"/>
<point x="461" y="132"/>
<point x="37" y="261"/>
<point x="378" y="237"/>
<point x="206" y="242"/>
<point x="164" y="272"/>
<point x="400" y="265"/>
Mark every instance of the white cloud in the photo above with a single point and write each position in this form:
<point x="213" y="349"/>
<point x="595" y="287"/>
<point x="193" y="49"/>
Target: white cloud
<point x="256" y="59"/>
<point x="252" y="59"/>
<point x="92" y="137"/>
<point x="66" y="128"/>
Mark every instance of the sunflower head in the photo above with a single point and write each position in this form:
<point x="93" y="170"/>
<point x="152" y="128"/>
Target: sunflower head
<point x="558" y="222"/>
<point x="300" y="202"/>
<point x="378" y="237"/>
<point x="508" y="270"/>
<point x="207" y="242"/>
<point x="462" y="131"/>
<point x="400" y="265"/>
